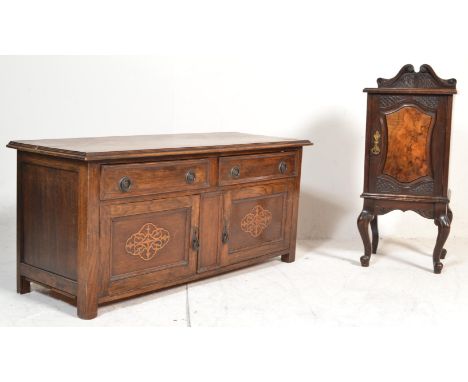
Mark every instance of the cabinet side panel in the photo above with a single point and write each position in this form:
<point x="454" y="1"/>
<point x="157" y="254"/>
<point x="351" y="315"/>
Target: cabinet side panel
<point x="210" y="231"/>
<point x="49" y="216"/>
<point x="294" y="196"/>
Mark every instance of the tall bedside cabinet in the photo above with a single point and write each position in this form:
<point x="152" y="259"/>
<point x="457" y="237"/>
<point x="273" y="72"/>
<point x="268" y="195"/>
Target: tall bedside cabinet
<point x="101" y="219"/>
<point x="407" y="154"/>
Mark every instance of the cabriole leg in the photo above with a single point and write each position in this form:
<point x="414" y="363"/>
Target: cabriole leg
<point x="450" y="216"/>
<point x="363" y="221"/>
<point x="375" y="234"/>
<point x="443" y="224"/>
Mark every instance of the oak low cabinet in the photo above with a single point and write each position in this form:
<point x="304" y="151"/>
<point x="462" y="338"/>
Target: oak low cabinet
<point x="101" y="219"/>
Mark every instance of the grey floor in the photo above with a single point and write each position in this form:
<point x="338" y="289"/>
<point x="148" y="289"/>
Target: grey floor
<point x="325" y="286"/>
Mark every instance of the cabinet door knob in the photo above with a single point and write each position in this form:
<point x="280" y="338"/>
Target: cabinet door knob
<point x="235" y="172"/>
<point x="282" y="167"/>
<point x="190" y="177"/>
<point x="125" y="183"/>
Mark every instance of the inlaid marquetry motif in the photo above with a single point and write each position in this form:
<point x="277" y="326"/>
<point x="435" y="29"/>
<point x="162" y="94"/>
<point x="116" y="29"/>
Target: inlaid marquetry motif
<point x="256" y="221"/>
<point x="147" y="241"/>
<point x="408" y="138"/>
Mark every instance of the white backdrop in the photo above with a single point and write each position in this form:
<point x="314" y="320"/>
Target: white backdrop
<point x="273" y="71"/>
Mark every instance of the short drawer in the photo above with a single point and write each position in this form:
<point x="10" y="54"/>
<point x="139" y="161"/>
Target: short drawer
<point x="250" y="168"/>
<point x="121" y="181"/>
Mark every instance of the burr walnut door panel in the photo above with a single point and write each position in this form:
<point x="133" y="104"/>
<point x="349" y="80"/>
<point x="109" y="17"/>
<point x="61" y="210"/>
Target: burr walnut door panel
<point x="257" y="220"/>
<point x="406" y="140"/>
<point x="149" y="242"/>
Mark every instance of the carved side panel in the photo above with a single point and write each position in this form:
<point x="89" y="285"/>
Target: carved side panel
<point x="388" y="185"/>
<point x="423" y="189"/>
<point x="430" y="102"/>
<point x="389" y="101"/>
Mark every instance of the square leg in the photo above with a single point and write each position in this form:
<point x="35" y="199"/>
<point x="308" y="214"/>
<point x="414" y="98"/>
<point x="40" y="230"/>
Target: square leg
<point x="289" y="257"/>
<point x="23" y="285"/>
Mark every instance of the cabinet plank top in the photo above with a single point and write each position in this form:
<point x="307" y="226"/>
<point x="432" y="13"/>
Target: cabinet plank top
<point x="141" y="146"/>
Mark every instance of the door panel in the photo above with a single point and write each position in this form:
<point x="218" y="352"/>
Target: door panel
<point x="149" y="242"/>
<point x="406" y="139"/>
<point x="258" y="220"/>
<point x="408" y="144"/>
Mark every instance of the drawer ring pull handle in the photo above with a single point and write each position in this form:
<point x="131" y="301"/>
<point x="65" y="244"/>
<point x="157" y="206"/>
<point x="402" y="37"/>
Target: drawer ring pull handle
<point x="235" y="172"/>
<point x="190" y="177"/>
<point x="125" y="183"/>
<point x="282" y="167"/>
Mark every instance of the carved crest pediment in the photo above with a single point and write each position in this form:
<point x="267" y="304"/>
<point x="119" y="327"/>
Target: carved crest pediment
<point x="425" y="78"/>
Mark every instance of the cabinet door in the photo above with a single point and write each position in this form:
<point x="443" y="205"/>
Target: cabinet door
<point x="407" y="141"/>
<point x="148" y="242"/>
<point x="257" y="221"/>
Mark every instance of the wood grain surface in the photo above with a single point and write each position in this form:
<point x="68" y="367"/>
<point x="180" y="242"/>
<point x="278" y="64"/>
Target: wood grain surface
<point x="141" y="146"/>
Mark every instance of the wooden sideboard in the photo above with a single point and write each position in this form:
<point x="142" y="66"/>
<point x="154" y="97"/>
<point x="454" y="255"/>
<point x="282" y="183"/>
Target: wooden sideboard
<point x="101" y="219"/>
